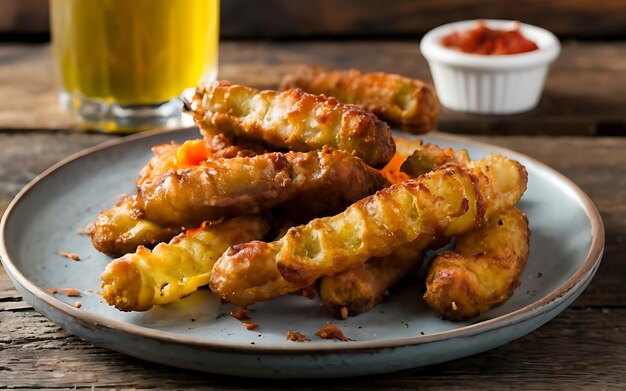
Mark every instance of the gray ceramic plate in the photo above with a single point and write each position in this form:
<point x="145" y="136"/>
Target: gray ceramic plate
<point x="566" y="246"/>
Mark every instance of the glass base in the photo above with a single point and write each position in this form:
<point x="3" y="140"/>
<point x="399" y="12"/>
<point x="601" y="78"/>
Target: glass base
<point x="108" y="117"/>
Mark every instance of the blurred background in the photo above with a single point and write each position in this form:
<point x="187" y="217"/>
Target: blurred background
<point x="27" y="20"/>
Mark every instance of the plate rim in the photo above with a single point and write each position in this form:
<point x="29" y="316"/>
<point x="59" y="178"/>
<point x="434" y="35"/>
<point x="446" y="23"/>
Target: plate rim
<point x="543" y="305"/>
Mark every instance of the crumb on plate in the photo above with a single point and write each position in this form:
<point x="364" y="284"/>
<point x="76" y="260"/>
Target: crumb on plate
<point x="72" y="256"/>
<point x="330" y="331"/>
<point x="70" y="292"/>
<point x="85" y="230"/>
<point x="239" y="314"/>
<point x="296" y="336"/>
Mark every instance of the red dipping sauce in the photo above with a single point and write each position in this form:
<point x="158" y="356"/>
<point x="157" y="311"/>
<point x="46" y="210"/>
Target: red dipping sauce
<point x="483" y="40"/>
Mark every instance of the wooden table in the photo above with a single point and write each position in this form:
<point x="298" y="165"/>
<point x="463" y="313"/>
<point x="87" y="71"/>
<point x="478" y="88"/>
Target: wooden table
<point x="578" y="129"/>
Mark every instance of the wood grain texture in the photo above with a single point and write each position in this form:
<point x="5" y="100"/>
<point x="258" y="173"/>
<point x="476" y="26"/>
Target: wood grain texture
<point x="407" y="18"/>
<point x="24" y="17"/>
<point x="288" y="19"/>
<point x="583" y="94"/>
<point x="583" y="348"/>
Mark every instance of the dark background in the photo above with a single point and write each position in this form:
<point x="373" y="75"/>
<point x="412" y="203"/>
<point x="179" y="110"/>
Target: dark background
<point x="27" y="20"/>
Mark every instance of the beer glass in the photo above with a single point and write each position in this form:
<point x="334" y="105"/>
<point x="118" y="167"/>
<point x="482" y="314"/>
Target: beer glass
<point x="124" y="63"/>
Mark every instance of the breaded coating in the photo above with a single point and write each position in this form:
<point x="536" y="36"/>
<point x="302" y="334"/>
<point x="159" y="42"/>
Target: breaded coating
<point x="240" y="185"/>
<point x="483" y="271"/>
<point x="291" y="120"/>
<point x="222" y="145"/>
<point x="358" y="290"/>
<point x="408" y="104"/>
<point x="121" y="229"/>
<point x="449" y="201"/>
<point x="136" y="282"/>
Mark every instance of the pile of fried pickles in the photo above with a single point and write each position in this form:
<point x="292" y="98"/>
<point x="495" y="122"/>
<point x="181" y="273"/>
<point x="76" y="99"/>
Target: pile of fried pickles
<point x="305" y="190"/>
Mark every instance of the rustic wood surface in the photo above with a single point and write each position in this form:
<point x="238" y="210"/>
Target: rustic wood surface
<point x="582" y="348"/>
<point x="288" y="19"/>
<point x="409" y="18"/>
<point x="583" y="93"/>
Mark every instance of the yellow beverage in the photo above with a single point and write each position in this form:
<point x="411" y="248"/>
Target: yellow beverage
<point x="134" y="52"/>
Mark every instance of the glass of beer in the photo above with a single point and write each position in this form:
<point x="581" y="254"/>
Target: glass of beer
<point x="124" y="64"/>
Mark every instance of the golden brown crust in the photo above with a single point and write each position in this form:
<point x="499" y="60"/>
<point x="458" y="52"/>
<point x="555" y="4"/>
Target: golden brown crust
<point x="292" y="120"/>
<point x="409" y="104"/>
<point x="239" y="185"/>
<point x="445" y="202"/>
<point x="358" y="290"/>
<point x="483" y="271"/>
<point x="137" y="281"/>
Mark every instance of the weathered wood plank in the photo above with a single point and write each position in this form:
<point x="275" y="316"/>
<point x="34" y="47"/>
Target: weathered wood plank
<point x="583" y="94"/>
<point x="24" y="17"/>
<point x="381" y="18"/>
<point x="371" y="18"/>
<point x="7" y="291"/>
<point x="581" y="348"/>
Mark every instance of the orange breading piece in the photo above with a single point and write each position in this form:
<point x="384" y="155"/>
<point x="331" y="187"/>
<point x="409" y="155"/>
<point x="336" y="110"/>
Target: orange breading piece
<point x="449" y="201"/>
<point x="409" y="104"/>
<point x="483" y="271"/>
<point x="291" y="120"/>
<point x="332" y="331"/>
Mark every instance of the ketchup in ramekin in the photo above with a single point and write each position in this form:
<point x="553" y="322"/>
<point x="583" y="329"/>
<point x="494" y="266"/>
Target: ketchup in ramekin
<point x="483" y="40"/>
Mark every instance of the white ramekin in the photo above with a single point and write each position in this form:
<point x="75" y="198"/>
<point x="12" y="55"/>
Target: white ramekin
<point x="489" y="84"/>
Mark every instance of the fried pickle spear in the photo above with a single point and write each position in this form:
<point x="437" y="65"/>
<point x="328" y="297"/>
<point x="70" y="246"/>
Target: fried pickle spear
<point x="291" y="120"/>
<point x="138" y="281"/>
<point x="483" y="271"/>
<point x="358" y="290"/>
<point x="409" y="104"/>
<point x="449" y="201"/>
<point x="240" y="185"/>
<point x="123" y="227"/>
